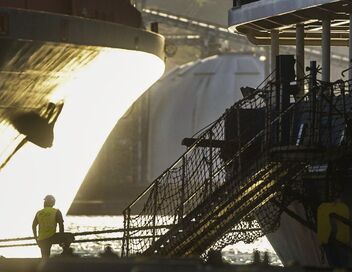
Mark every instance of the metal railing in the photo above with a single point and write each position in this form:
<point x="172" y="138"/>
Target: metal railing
<point x="238" y="155"/>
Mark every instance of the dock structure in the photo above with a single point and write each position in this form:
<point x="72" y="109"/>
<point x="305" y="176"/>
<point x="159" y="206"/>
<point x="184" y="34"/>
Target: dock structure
<point x="270" y="162"/>
<point x="322" y="23"/>
<point x="271" y="159"/>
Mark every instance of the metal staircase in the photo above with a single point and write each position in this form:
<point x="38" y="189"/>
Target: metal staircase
<point x="242" y="171"/>
<point x="211" y="219"/>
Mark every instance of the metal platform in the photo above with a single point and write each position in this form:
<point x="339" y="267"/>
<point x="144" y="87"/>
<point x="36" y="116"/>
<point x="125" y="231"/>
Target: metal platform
<point x="255" y="19"/>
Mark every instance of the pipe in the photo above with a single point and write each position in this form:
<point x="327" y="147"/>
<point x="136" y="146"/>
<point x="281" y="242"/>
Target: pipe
<point x="300" y="58"/>
<point x="326" y="49"/>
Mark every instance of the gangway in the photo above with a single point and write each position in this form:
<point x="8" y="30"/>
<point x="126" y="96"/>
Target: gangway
<point x="248" y="179"/>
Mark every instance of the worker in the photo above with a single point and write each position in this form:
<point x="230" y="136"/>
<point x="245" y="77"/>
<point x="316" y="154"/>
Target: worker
<point x="47" y="219"/>
<point x="108" y="253"/>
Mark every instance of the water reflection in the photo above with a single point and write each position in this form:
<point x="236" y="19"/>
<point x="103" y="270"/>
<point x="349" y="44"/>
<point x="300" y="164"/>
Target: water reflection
<point x="240" y="253"/>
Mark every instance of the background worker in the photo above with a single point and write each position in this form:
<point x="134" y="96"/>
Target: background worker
<point x="47" y="220"/>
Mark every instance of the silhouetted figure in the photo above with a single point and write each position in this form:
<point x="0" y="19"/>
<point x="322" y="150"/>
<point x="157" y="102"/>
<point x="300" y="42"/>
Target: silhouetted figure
<point x="108" y="253"/>
<point x="266" y="258"/>
<point x="256" y="257"/>
<point x="47" y="219"/>
<point x="67" y="252"/>
<point x="257" y="260"/>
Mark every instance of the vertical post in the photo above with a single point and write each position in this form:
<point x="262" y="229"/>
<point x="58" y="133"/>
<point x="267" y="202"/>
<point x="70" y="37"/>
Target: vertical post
<point x="313" y="99"/>
<point x="350" y="54"/>
<point x="211" y="162"/>
<point x="313" y="74"/>
<point x="182" y="200"/>
<point x="285" y="74"/>
<point x="275" y="49"/>
<point x="239" y="167"/>
<point x="267" y="62"/>
<point x="124" y="234"/>
<point x="300" y="58"/>
<point x="126" y="239"/>
<point x="343" y="92"/>
<point x="268" y="109"/>
<point x="326" y="50"/>
<point x="331" y="94"/>
<point x="155" y="207"/>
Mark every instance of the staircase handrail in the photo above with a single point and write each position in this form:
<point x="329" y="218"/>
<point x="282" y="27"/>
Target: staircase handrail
<point x="234" y="156"/>
<point x="194" y="145"/>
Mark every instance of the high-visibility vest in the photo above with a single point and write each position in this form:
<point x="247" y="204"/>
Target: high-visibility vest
<point x="47" y="222"/>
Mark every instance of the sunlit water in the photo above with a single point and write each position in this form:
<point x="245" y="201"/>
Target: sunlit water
<point x="240" y="253"/>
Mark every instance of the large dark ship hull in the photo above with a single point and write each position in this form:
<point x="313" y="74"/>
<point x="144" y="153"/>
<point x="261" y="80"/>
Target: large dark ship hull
<point x="66" y="77"/>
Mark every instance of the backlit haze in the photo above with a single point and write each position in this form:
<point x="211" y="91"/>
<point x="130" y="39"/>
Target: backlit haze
<point x="95" y="98"/>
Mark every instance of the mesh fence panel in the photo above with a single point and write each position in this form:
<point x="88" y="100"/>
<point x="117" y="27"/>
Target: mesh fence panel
<point x="232" y="182"/>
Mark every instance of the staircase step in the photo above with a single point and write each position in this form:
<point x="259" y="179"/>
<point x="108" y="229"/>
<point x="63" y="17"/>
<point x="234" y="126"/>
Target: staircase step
<point x="213" y="221"/>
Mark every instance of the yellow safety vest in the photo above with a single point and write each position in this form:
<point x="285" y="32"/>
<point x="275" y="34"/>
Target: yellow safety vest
<point x="47" y="222"/>
<point x="324" y="223"/>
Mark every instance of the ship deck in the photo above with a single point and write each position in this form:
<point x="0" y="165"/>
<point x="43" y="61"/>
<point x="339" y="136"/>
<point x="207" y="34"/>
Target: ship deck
<point x="256" y="18"/>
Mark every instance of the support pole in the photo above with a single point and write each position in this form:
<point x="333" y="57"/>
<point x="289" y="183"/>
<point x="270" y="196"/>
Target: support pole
<point x="300" y="58"/>
<point x="326" y="50"/>
<point x="183" y="186"/>
<point x="155" y="200"/>
<point x="350" y="54"/>
<point x="275" y="49"/>
<point x="267" y="61"/>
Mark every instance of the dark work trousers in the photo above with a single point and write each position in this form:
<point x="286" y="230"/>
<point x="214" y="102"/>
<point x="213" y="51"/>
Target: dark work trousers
<point x="64" y="239"/>
<point x="45" y="245"/>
